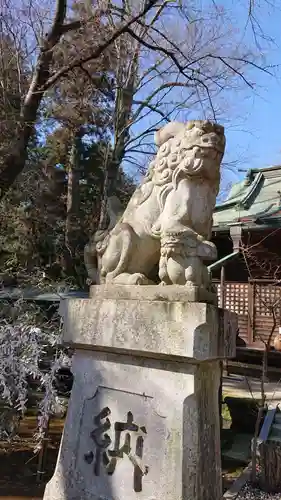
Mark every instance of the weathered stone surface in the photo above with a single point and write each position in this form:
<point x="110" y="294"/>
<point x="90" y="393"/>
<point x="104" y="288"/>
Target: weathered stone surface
<point x="168" y="221"/>
<point x="172" y="293"/>
<point x="159" y="328"/>
<point x="176" y="407"/>
<point x="143" y="418"/>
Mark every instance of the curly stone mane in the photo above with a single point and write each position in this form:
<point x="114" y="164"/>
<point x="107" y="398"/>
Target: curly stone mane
<point x="171" y="163"/>
<point x="167" y="222"/>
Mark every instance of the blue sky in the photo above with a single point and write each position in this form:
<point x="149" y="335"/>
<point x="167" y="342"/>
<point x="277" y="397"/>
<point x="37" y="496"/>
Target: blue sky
<point x="253" y="127"/>
<point x="257" y="138"/>
<point x="253" y="118"/>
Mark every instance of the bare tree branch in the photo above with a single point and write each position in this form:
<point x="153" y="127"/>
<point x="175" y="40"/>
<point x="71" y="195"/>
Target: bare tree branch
<point x="42" y="80"/>
<point x="98" y="51"/>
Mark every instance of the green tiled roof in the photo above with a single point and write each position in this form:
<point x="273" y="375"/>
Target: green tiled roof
<point x="255" y="200"/>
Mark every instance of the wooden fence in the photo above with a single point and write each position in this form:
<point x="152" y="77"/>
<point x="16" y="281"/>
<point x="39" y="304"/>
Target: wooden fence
<point x="253" y="302"/>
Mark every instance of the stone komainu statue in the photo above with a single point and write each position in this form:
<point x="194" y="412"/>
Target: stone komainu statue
<point x="168" y="220"/>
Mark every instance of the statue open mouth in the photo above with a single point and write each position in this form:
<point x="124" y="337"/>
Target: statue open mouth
<point x="207" y="152"/>
<point x="210" y="148"/>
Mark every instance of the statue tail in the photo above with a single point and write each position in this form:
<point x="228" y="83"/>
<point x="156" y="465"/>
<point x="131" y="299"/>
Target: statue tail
<point x="92" y="252"/>
<point x="90" y="260"/>
<point x="127" y="242"/>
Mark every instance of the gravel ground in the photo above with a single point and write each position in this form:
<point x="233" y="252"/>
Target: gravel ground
<point x="250" y="493"/>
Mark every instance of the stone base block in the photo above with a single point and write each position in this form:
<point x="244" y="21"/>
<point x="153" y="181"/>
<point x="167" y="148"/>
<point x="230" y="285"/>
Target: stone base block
<point x="172" y="293"/>
<point x="139" y="428"/>
<point x="143" y="420"/>
<point x="158" y="327"/>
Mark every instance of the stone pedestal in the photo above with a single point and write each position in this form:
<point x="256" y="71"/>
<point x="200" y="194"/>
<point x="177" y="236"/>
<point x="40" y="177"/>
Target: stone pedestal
<point x="143" y="418"/>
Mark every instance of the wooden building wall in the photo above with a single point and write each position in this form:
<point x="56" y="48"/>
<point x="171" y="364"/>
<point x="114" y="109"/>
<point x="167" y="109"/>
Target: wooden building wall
<point x="254" y="302"/>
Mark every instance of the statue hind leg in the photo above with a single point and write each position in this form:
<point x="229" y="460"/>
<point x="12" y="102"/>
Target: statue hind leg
<point x="123" y="241"/>
<point x="120" y="242"/>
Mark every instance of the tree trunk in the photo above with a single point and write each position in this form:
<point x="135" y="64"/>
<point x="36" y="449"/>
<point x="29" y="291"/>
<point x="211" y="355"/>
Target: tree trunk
<point x="123" y="111"/>
<point x="72" y="223"/>
<point x="15" y="162"/>
<point x="255" y="444"/>
<point x="270" y="461"/>
<point x="42" y="80"/>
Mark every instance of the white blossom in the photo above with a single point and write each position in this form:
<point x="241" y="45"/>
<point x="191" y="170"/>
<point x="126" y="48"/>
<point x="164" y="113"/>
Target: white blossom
<point x="23" y="347"/>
